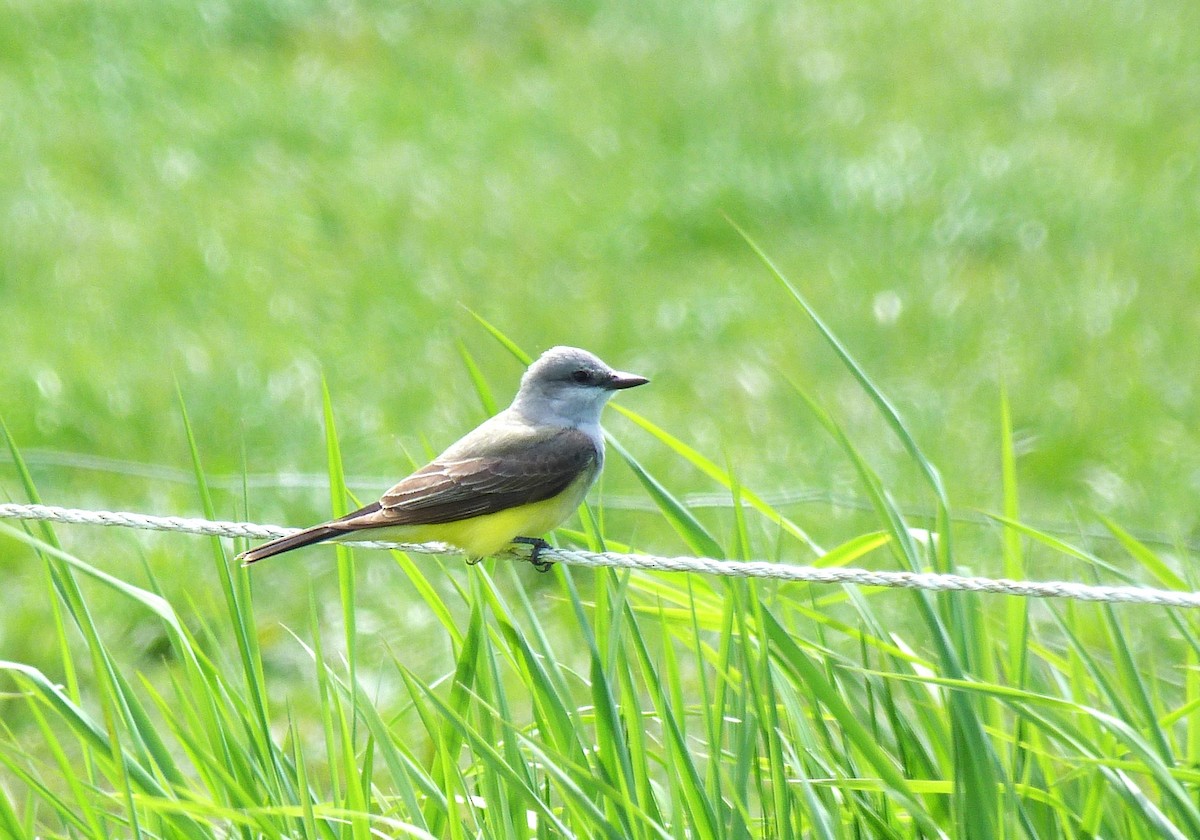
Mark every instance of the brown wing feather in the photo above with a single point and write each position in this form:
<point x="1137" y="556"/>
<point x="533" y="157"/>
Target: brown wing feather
<point x="449" y="490"/>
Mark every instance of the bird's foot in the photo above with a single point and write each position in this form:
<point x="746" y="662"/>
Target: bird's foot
<point x="539" y="545"/>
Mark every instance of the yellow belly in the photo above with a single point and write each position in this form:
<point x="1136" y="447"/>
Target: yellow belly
<point x="481" y="536"/>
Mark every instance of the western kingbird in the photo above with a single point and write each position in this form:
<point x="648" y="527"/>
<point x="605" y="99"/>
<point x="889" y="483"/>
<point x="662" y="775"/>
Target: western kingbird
<point x="515" y="477"/>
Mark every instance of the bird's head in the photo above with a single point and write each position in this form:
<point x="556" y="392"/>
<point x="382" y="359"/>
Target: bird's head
<point x="568" y="386"/>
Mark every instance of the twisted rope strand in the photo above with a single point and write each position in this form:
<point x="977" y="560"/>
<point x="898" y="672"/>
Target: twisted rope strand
<point x="186" y="525"/>
<point x="756" y="569"/>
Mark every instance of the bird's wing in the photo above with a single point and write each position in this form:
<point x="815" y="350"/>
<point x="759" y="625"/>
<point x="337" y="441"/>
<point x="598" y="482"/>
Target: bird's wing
<point x="454" y="488"/>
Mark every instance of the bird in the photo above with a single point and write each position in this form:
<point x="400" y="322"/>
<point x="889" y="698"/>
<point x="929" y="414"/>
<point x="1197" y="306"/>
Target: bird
<point x="513" y="478"/>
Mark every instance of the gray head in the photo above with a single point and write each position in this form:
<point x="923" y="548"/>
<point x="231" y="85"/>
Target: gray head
<point x="569" y="387"/>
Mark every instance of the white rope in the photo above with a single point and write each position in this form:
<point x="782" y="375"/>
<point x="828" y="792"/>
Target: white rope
<point x="732" y="568"/>
<point x="185" y="525"/>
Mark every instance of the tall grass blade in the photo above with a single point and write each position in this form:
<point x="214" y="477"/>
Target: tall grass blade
<point x="721" y="476"/>
<point x="480" y="383"/>
<point x="976" y="774"/>
<point x="700" y="814"/>
<point x="56" y="583"/>
<point x="1149" y="561"/>
<point x="98" y="738"/>
<point x="890" y="413"/>
<point x="680" y="518"/>
<point x="508" y="344"/>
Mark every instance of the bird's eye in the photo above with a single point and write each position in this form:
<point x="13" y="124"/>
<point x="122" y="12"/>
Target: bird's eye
<point x="582" y="376"/>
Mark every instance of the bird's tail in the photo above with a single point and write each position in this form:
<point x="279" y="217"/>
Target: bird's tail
<point x="316" y="534"/>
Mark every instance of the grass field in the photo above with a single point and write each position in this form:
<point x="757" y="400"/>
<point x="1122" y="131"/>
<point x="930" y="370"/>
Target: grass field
<point x="219" y="210"/>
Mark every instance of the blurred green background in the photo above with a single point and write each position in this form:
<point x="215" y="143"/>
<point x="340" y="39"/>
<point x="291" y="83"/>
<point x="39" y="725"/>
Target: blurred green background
<point x="239" y="198"/>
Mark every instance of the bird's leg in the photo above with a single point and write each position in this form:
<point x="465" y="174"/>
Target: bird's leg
<point x="539" y="545"/>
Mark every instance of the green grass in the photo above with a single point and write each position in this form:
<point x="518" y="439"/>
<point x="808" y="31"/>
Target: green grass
<point x="649" y="705"/>
<point x="663" y="706"/>
<point x="223" y="225"/>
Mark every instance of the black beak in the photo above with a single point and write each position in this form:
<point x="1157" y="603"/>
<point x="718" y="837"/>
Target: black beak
<point x="620" y="381"/>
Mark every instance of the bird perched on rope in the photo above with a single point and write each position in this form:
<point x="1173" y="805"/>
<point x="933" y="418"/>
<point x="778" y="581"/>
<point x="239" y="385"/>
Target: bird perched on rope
<point x="513" y="478"/>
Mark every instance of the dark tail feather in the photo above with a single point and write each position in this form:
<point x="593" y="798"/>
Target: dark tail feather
<point x="316" y="534"/>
